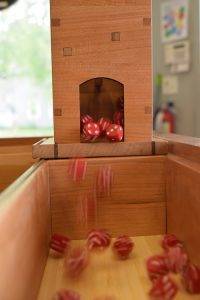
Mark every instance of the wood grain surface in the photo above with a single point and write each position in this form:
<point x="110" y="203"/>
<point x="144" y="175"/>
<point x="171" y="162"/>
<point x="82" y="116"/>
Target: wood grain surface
<point x="15" y="158"/>
<point x="86" y="27"/>
<point x="47" y="148"/>
<point x="137" y="202"/>
<point x="24" y="234"/>
<point x="183" y="202"/>
<point x="107" y="276"/>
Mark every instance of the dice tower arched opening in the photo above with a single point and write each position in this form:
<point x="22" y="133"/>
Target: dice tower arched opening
<point x="102" y="98"/>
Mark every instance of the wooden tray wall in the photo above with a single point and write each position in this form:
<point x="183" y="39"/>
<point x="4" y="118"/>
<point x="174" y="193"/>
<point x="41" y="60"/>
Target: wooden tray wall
<point x="24" y="234"/>
<point x="137" y="205"/>
<point x="85" y="28"/>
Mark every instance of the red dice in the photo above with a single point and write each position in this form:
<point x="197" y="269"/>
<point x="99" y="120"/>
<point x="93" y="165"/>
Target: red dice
<point x="157" y="266"/>
<point x="85" y="119"/>
<point x="177" y="259"/>
<point x="115" y="133"/>
<point x="191" y="279"/>
<point x="59" y="243"/>
<point x="118" y="118"/>
<point x="76" y="261"/>
<point x="77" y="169"/>
<point x="91" y="131"/>
<point x="98" y="239"/>
<point x="170" y="240"/>
<point x="104" y="181"/>
<point x="123" y="246"/>
<point x="104" y="124"/>
<point x="66" y="295"/>
<point x="164" y="288"/>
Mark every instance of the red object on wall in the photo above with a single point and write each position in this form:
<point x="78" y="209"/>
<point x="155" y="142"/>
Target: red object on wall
<point x="169" y="121"/>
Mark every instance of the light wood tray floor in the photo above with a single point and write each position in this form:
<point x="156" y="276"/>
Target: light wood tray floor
<point x="105" y="275"/>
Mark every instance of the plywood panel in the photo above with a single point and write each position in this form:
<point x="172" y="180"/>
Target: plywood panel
<point x="183" y="202"/>
<point x="139" y="182"/>
<point x="47" y="148"/>
<point x="86" y="27"/>
<point x="24" y="234"/>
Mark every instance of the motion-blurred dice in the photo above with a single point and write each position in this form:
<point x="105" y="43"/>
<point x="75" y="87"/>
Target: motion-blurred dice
<point x="85" y="119"/>
<point x="123" y="246"/>
<point x="191" y="279"/>
<point x="164" y="288"/>
<point x="103" y="124"/>
<point x="115" y="133"/>
<point x="66" y="295"/>
<point x="91" y="131"/>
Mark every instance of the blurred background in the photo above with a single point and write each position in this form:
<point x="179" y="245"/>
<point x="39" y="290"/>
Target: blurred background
<point x="176" y="71"/>
<point x="25" y="68"/>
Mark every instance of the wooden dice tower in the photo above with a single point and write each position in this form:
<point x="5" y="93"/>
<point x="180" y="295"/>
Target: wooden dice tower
<point x="156" y="179"/>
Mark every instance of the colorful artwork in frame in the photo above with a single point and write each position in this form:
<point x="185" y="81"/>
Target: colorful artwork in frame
<point x="174" y="20"/>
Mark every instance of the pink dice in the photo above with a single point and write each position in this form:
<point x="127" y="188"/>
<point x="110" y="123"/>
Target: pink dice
<point x="191" y="279"/>
<point x="177" y="259"/>
<point x="85" y="119"/>
<point x="163" y="288"/>
<point x="157" y="266"/>
<point x="104" y="124"/>
<point x="91" y="131"/>
<point x="98" y="239"/>
<point x="59" y="244"/>
<point x="76" y="261"/>
<point x="115" y="133"/>
<point x="123" y="246"/>
<point x="170" y="240"/>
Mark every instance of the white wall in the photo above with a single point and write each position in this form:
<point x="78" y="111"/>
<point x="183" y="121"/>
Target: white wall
<point x="188" y="99"/>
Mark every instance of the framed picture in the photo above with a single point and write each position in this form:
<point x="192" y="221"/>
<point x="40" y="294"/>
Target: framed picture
<point x="174" y="20"/>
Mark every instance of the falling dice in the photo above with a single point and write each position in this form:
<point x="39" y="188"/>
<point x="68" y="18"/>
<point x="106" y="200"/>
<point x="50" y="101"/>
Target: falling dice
<point x="115" y="133"/>
<point x="177" y="259"/>
<point x="163" y="288"/>
<point x="76" y="261"/>
<point x="59" y="244"/>
<point x="91" y="131"/>
<point x="170" y="240"/>
<point x="77" y="169"/>
<point x="123" y="246"/>
<point x="157" y="266"/>
<point x="191" y="279"/>
<point x="104" y="124"/>
<point x="98" y="239"/>
<point x="66" y="295"/>
<point x="85" y="119"/>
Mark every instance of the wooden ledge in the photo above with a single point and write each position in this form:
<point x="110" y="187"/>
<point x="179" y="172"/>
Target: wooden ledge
<point x="183" y="146"/>
<point x="48" y="149"/>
